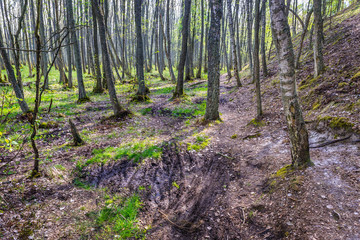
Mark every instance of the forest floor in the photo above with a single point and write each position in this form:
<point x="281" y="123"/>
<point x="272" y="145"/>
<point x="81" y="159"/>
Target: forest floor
<point x="163" y="174"/>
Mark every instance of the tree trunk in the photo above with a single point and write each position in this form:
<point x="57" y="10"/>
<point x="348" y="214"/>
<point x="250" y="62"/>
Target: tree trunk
<point x="263" y="37"/>
<point x="296" y="126"/>
<point x="307" y="21"/>
<point x="81" y="87"/>
<point x="98" y="86"/>
<point x="179" y="91"/>
<point x="256" y="75"/>
<point x="118" y="110"/>
<point x="249" y="32"/>
<point x="198" y="75"/>
<point x="141" y="93"/>
<point x="318" y="41"/>
<point x="232" y="40"/>
<point x="11" y="76"/>
<point x="212" y="104"/>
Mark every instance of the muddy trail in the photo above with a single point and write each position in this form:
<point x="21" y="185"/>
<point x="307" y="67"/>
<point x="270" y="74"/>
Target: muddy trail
<point x="231" y="189"/>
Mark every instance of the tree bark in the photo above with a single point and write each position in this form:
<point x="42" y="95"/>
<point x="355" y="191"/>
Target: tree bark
<point x="249" y="21"/>
<point x="81" y="87"/>
<point x="11" y="76"/>
<point x="117" y="108"/>
<point x="198" y="75"/>
<point x="232" y="40"/>
<point x="256" y="75"/>
<point x="296" y="126"/>
<point x="318" y="41"/>
<point x="141" y="93"/>
<point x="179" y="91"/>
<point x="263" y="37"/>
<point x="98" y="86"/>
<point x="212" y="104"/>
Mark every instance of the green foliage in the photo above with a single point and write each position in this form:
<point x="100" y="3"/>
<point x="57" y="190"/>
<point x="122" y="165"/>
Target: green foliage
<point x="145" y="111"/>
<point x="80" y="184"/>
<point x="118" y="219"/>
<point x="176" y="185"/>
<point x="135" y="151"/>
<point x="201" y="142"/>
<point x="138" y="151"/>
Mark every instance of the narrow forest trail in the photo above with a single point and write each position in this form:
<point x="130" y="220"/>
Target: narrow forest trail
<point x="249" y="210"/>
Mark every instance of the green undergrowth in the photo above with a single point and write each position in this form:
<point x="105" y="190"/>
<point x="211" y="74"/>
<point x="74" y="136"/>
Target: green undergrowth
<point x="201" y="142"/>
<point x="135" y="151"/>
<point x="336" y="122"/>
<point x="118" y="219"/>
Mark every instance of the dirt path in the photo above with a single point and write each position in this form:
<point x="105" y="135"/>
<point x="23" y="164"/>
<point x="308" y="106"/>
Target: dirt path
<point x="319" y="203"/>
<point x="220" y="192"/>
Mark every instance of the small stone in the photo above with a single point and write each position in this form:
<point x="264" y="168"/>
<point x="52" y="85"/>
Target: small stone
<point x="289" y="194"/>
<point x="289" y="223"/>
<point x="209" y="228"/>
<point x="329" y="207"/>
<point x="323" y="196"/>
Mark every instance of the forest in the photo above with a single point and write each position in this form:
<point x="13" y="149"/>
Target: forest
<point x="180" y="119"/>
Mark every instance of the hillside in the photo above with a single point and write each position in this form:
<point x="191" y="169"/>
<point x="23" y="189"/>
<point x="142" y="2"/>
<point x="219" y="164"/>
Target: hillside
<point x="163" y="173"/>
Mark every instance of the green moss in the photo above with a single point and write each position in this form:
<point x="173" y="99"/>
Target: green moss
<point x="282" y="172"/>
<point x="336" y="122"/>
<point x="308" y="82"/>
<point x="275" y="82"/>
<point x="48" y="125"/>
<point x="233" y="136"/>
<point x="356" y="76"/>
<point x="83" y="100"/>
<point x="342" y="84"/>
<point x="256" y="135"/>
<point x="257" y="123"/>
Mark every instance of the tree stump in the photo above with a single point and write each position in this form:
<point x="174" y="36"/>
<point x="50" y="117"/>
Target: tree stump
<point x="76" y="136"/>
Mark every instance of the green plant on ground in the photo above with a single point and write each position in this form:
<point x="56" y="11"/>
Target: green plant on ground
<point x="135" y="151"/>
<point x="118" y="219"/>
<point x="201" y="142"/>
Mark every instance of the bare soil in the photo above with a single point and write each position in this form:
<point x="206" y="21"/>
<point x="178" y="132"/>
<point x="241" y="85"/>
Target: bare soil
<point x="232" y="189"/>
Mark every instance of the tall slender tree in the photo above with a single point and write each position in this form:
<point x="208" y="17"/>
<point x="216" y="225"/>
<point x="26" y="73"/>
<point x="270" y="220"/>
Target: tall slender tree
<point x="318" y="42"/>
<point x="141" y="93"/>
<point x="296" y="125"/>
<point x="233" y="45"/>
<point x="212" y="104"/>
<point x="81" y="87"/>
<point x="179" y="91"/>
<point x="198" y="74"/>
<point x="256" y="75"/>
<point x="117" y="108"/>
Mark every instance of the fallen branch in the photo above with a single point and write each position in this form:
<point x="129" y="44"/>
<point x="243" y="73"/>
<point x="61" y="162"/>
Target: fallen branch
<point x="51" y="102"/>
<point x="223" y="155"/>
<point x="331" y="142"/>
<point x="195" y="84"/>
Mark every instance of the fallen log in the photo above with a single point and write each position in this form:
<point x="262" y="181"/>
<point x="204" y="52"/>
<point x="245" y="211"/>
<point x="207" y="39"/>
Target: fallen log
<point x="330" y="142"/>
